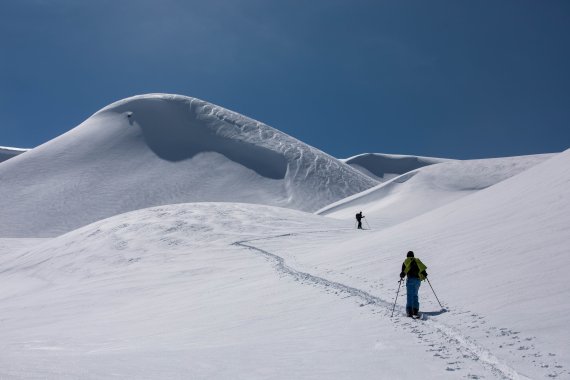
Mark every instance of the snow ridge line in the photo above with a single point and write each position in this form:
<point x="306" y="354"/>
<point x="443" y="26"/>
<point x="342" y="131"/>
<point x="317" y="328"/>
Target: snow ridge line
<point x="476" y="352"/>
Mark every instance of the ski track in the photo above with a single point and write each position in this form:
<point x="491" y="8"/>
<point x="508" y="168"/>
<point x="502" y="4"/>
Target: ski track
<point x="450" y="339"/>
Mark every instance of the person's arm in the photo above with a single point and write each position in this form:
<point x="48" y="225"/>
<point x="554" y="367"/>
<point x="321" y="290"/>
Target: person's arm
<point x="402" y="273"/>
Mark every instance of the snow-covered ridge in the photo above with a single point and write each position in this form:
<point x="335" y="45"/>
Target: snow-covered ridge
<point x="383" y="167"/>
<point x="7" y="152"/>
<point x="239" y="287"/>
<point x="251" y="281"/>
<point x="157" y="149"/>
<point x="497" y="252"/>
<point x="429" y="187"/>
<point x="197" y="126"/>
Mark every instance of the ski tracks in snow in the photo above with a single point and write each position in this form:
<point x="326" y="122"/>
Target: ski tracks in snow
<point x="445" y="342"/>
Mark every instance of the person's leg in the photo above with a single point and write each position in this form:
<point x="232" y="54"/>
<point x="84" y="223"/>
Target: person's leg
<point x="415" y="297"/>
<point x="409" y="297"/>
<point x="359" y="225"/>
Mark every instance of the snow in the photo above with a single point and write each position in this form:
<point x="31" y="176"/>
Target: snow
<point x="494" y="257"/>
<point x="422" y="190"/>
<point x="383" y="167"/>
<point x="164" y="293"/>
<point x="8" y="152"/>
<point x="238" y="288"/>
<point x="172" y="149"/>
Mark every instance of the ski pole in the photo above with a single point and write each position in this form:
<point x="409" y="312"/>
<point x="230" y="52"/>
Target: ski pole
<point x="393" y="308"/>
<point x="367" y="224"/>
<point x="434" y="293"/>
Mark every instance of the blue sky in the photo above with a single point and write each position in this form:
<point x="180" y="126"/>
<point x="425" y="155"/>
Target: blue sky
<point x="454" y="78"/>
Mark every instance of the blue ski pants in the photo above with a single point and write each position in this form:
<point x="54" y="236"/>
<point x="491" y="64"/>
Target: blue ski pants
<point x="412" y="288"/>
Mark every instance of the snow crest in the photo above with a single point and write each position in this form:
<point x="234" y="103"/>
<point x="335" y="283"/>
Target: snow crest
<point x="158" y="149"/>
<point x="384" y="167"/>
<point x="8" y="152"/>
<point x="427" y="188"/>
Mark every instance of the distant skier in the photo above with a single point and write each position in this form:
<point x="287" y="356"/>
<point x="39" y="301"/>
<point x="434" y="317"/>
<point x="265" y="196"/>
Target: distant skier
<point x="416" y="272"/>
<point x="359" y="217"/>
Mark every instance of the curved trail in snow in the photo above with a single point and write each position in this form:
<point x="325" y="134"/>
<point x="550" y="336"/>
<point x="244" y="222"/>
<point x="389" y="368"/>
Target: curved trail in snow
<point x="449" y="337"/>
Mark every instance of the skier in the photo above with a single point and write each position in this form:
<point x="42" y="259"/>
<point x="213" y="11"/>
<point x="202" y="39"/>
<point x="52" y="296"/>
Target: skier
<point x="359" y="217"/>
<point x="416" y="272"/>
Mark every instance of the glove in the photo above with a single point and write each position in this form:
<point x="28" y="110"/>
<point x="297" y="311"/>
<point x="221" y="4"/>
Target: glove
<point x="402" y="275"/>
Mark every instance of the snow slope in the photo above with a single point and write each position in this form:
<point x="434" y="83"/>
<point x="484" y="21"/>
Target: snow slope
<point x="169" y="293"/>
<point x="163" y="149"/>
<point x="428" y="188"/>
<point x="383" y="167"/>
<point x="231" y="290"/>
<point x="7" y="152"/>
<point x="496" y="258"/>
<point x="225" y="290"/>
<point x="242" y="291"/>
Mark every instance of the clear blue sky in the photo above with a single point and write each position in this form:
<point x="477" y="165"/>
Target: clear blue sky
<point x="454" y="78"/>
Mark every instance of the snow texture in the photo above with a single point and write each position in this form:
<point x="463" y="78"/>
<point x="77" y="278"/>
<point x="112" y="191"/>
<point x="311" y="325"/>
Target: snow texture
<point x="229" y="290"/>
<point x="160" y="149"/>
<point x="428" y="188"/>
<point x="7" y="152"/>
<point x="383" y="167"/>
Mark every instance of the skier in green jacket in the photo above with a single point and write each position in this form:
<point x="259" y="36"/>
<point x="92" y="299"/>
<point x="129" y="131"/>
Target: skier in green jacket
<point x="416" y="272"/>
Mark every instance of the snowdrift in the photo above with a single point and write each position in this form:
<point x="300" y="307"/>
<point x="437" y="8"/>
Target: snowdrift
<point x="7" y="152"/>
<point x="238" y="287"/>
<point x="496" y="258"/>
<point x="242" y="290"/>
<point x="162" y="149"/>
<point x="428" y="188"/>
<point x="164" y="293"/>
<point x="384" y="167"/>
<point x="227" y="290"/>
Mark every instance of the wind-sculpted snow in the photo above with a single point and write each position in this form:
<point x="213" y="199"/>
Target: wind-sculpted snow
<point x="236" y="288"/>
<point x="7" y="153"/>
<point x="162" y="293"/>
<point x="427" y="188"/>
<point x="495" y="256"/>
<point x="456" y="343"/>
<point x="160" y="149"/>
<point x="239" y="290"/>
<point x="152" y="235"/>
<point x="383" y="167"/>
<point x="313" y="177"/>
<point x="194" y="127"/>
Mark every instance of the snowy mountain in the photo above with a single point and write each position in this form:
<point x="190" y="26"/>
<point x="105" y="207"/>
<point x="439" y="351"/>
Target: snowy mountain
<point x="152" y="281"/>
<point x="383" y="167"/>
<point x="428" y="188"/>
<point x="496" y="259"/>
<point x="162" y="149"/>
<point x="168" y="293"/>
<point x="7" y="152"/>
<point x="227" y="290"/>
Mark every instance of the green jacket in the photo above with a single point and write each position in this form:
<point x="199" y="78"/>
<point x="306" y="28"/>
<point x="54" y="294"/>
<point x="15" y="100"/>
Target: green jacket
<point x="413" y="267"/>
